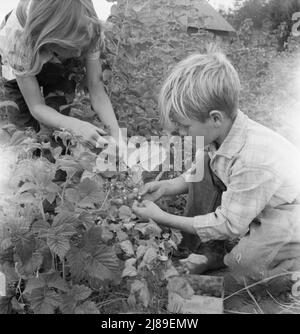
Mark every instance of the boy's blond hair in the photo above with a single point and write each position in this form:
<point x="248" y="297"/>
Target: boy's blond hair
<point x="197" y="85"/>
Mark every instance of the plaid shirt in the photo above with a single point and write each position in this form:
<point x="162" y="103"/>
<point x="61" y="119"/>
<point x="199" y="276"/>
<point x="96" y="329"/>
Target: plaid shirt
<point x="261" y="171"/>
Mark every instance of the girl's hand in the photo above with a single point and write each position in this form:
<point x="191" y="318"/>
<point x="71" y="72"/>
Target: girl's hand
<point x="148" y="210"/>
<point x="90" y="133"/>
<point x="154" y="191"/>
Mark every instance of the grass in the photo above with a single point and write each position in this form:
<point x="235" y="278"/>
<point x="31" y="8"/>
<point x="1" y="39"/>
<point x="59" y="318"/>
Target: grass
<point x="262" y="301"/>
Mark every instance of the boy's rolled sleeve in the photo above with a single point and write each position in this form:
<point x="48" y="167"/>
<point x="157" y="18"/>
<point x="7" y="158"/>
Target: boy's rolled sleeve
<point x="248" y="193"/>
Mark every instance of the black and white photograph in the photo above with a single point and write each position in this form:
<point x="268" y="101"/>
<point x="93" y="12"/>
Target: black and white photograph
<point x="149" y="160"/>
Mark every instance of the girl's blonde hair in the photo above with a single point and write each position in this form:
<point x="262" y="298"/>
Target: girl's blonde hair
<point x="69" y="24"/>
<point x="197" y="85"/>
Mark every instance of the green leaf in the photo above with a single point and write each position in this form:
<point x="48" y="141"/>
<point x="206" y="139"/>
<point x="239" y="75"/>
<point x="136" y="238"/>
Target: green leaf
<point x="17" y="138"/>
<point x="58" y="244"/>
<point x="90" y="194"/>
<point x="65" y="219"/>
<point x="45" y="301"/>
<point x="176" y="236"/>
<point x="58" y="236"/>
<point x="121" y="235"/>
<point x="77" y="259"/>
<point x="103" y="263"/>
<point x="170" y="271"/>
<point x="5" y="305"/>
<point x="127" y="248"/>
<point x="39" y="226"/>
<point x="106" y="235"/>
<point x="150" y="256"/>
<point x="130" y="269"/>
<point x="33" y="284"/>
<point x="80" y="292"/>
<point x="141" y="251"/>
<point x="72" y="195"/>
<point x="18" y="307"/>
<point x="69" y="166"/>
<point x="31" y="266"/>
<point x="93" y="237"/>
<point x="28" y="186"/>
<point x="77" y="294"/>
<point x="87" y="308"/>
<point x="54" y="281"/>
<point x="149" y="229"/>
<point x="87" y="160"/>
<point x="125" y="212"/>
<point x="53" y="188"/>
<point x="5" y="244"/>
<point x="140" y="289"/>
<point x="25" y="246"/>
<point x="94" y="260"/>
<point x="68" y="304"/>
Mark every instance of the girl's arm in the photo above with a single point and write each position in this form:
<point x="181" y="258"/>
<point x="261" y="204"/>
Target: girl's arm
<point x="40" y="111"/>
<point x="100" y="101"/>
<point x="30" y="90"/>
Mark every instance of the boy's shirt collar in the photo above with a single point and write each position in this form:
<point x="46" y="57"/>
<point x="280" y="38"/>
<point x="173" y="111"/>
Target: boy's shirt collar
<point x="234" y="141"/>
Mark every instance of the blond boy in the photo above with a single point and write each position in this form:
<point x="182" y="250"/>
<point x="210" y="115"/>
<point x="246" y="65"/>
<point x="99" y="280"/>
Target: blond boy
<point x="251" y="186"/>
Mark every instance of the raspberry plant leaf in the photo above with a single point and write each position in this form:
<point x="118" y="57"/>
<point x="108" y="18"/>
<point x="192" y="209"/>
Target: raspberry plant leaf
<point x="87" y="308"/>
<point x="90" y="194"/>
<point x="45" y="301"/>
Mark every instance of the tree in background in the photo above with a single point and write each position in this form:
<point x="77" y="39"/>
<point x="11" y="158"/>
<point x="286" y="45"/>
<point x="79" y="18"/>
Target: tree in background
<point x="282" y="11"/>
<point x="277" y="11"/>
<point x="270" y="16"/>
<point x="247" y="9"/>
<point x="245" y="32"/>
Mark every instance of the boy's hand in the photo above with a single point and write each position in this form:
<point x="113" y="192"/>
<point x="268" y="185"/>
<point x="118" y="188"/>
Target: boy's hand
<point x="154" y="191"/>
<point x="148" y="210"/>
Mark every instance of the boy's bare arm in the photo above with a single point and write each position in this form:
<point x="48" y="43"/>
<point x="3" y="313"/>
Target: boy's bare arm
<point x="148" y="209"/>
<point x="155" y="190"/>
<point x="184" y="224"/>
<point x="176" y="186"/>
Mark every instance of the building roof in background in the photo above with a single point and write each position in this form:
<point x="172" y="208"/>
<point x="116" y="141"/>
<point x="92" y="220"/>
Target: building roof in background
<point x="203" y="15"/>
<point x="191" y="13"/>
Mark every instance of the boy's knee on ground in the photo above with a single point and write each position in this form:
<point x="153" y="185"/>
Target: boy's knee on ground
<point x="252" y="263"/>
<point x="246" y="263"/>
